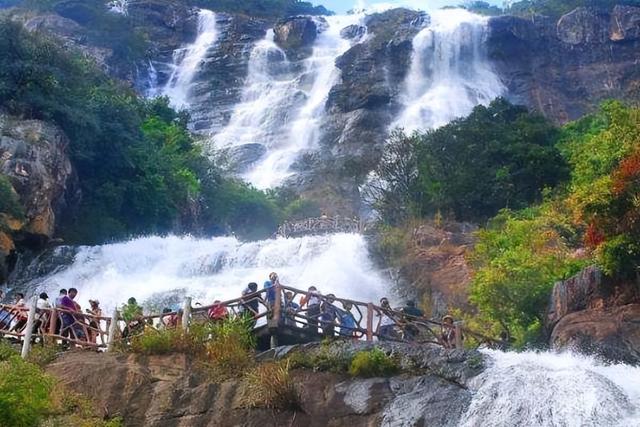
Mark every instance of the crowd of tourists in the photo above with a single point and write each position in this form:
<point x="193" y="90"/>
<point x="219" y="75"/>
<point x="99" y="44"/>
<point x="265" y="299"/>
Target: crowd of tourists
<point x="317" y="313"/>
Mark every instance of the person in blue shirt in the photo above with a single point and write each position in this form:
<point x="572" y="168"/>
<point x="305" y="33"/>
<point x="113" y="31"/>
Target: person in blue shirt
<point x="270" y="286"/>
<point x="348" y="325"/>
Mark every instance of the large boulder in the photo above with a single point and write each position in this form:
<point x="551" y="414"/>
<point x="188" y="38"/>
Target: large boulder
<point x="298" y="32"/>
<point x="33" y="157"/>
<point x="612" y="333"/>
<point x="594" y="313"/>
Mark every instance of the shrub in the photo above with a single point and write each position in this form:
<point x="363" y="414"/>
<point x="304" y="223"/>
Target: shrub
<point x="324" y="360"/>
<point x="270" y="385"/>
<point x="24" y="392"/>
<point x="158" y="341"/>
<point x="42" y="355"/>
<point x="373" y="363"/>
<point x="229" y="353"/>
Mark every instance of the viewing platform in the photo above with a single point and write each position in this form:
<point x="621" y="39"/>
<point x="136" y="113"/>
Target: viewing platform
<point x="275" y="322"/>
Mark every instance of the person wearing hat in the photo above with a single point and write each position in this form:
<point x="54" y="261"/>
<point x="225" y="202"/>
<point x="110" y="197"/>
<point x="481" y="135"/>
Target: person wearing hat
<point x="94" y="311"/>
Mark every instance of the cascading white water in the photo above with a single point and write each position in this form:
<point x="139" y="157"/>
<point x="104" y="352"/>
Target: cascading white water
<point x="187" y="61"/>
<point x="550" y="389"/>
<point x="282" y="109"/>
<point x="154" y="268"/>
<point x="119" y="6"/>
<point x="449" y="72"/>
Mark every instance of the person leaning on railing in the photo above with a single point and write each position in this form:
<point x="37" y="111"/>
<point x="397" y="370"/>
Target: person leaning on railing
<point x="312" y="301"/>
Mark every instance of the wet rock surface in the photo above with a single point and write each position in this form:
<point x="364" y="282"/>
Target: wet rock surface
<point x="296" y="35"/>
<point x="169" y="390"/>
<point x="593" y="313"/>
<point x="565" y="68"/>
<point x="33" y="156"/>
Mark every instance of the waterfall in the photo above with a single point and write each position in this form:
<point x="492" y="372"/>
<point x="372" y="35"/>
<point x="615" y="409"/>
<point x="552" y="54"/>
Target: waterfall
<point x="449" y="72"/>
<point x="550" y="389"/>
<point x="187" y="61"/>
<point x="162" y="270"/>
<point x="119" y="6"/>
<point x="283" y="104"/>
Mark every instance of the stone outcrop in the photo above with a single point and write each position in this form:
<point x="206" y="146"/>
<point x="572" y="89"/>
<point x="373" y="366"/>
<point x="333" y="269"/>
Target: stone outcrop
<point x="564" y="69"/>
<point x="598" y="314"/>
<point x="33" y="156"/>
<point x="295" y="35"/>
<point x="170" y="390"/>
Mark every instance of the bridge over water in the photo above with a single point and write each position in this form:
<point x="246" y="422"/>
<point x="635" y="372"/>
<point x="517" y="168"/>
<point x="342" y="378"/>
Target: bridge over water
<point x="321" y="225"/>
<point x="275" y="323"/>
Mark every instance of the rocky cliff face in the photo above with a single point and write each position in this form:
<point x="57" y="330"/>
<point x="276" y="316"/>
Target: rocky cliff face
<point x="564" y="69"/>
<point x="596" y="314"/>
<point x="170" y="391"/>
<point x="33" y="157"/>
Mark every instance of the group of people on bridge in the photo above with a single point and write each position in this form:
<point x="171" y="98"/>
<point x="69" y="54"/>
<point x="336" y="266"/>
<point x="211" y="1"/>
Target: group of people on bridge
<point x="315" y="313"/>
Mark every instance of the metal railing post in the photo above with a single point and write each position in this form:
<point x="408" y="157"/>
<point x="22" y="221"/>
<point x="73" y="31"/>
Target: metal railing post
<point x="26" y="345"/>
<point x="186" y="313"/>
<point x="111" y="338"/>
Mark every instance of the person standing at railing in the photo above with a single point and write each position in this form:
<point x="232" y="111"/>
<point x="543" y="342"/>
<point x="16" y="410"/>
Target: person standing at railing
<point x="94" y="324"/>
<point x="270" y="286"/>
<point x="387" y="322"/>
<point x="70" y="326"/>
<point x="412" y="313"/>
<point x="218" y="312"/>
<point x="133" y="317"/>
<point x="18" y="313"/>
<point x="448" y="334"/>
<point x="312" y="301"/>
<point x="290" y="309"/>
<point x="42" y="312"/>
<point x="250" y="306"/>
<point x="348" y="325"/>
<point x="328" y="316"/>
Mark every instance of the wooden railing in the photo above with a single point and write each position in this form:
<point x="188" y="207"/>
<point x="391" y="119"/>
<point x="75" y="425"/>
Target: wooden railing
<point x="334" y="317"/>
<point x="321" y="225"/>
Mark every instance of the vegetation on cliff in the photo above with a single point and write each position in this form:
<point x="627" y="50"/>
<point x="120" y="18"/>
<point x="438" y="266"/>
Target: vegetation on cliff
<point x="562" y="199"/>
<point x="30" y="397"/>
<point x="499" y="156"/>
<point x="266" y="8"/>
<point x="140" y="170"/>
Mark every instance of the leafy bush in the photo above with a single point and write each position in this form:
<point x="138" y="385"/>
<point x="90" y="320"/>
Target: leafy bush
<point x="24" y="391"/>
<point x="499" y="156"/>
<point x="229" y="353"/>
<point x="153" y="341"/>
<point x="324" y="360"/>
<point x="270" y="385"/>
<point x="373" y="363"/>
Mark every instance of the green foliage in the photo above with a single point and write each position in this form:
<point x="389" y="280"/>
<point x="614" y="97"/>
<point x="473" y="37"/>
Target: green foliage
<point x="265" y="8"/>
<point x="482" y="8"/>
<point x="24" y="391"/>
<point x="9" y="201"/>
<point x="518" y="258"/>
<point x="499" y="156"/>
<point x="373" y="363"/>
<point x="140" y="170"/>
<point x="270" y="385"/>
<point x="520" y="255"/>
<point x="323" y="360"/>
<point x="42" y="355"/>
<point x="556" y="8"/>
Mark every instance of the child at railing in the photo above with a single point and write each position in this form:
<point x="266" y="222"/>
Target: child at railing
<point x="312" y="300"/>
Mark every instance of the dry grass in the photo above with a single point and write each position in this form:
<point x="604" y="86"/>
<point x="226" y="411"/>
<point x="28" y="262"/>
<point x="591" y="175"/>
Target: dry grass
<point x="270" y="385"/>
